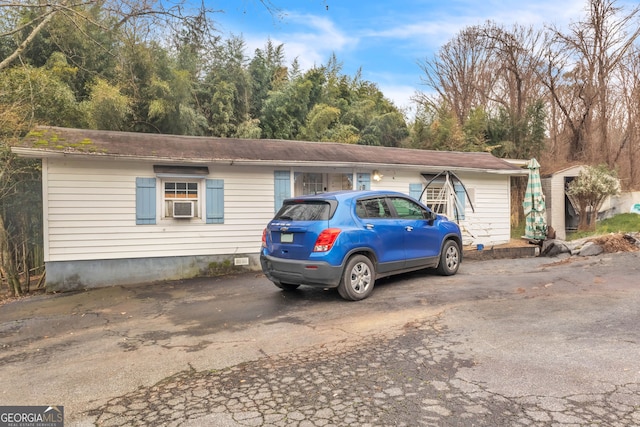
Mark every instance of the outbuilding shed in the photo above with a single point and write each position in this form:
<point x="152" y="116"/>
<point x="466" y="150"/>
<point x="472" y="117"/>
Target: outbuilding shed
<point x="561" y="214"/>
<point x="123" y="208"/>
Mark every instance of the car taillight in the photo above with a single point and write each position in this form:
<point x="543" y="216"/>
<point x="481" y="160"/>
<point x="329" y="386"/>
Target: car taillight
<point x="264" y="238"/>
<point x="326" y="239"/>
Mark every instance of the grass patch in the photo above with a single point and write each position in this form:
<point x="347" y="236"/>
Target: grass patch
<point x="623" y="223"/>
<point x="518" y="232"/>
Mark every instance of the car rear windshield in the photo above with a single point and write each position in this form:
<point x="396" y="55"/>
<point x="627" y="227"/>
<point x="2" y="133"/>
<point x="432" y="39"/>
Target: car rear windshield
<point x="305" y="211"/>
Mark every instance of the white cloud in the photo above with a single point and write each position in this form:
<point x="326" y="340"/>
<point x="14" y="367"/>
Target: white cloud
<point x="538" y="14"/>
<point x="325" y="31"/>
<point x="400" y="95"/>
<point x="309" y="38"/>
<point x="437" y="28"/>
<point x="318" y="39"/>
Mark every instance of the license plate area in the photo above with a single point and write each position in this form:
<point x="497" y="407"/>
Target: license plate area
<point x="286" y="237"/>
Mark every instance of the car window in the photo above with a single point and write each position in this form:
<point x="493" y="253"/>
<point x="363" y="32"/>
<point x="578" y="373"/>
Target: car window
<point x="304" y="211"/>
<point x="408" y="209"/>
<point x="372" y="208"/>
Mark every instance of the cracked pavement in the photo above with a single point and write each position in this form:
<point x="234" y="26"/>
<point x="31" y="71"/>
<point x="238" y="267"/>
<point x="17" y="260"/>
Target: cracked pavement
<point x="407" y="380"/>
<point x="531" y="342"/>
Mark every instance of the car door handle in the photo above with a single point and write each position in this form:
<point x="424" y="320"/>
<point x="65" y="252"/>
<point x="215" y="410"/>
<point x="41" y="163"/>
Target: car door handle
<point x="369" y="226"/>
<point x="408" y="228"/>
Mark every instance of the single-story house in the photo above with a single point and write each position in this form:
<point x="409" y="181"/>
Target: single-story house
<point x="122" y="208"/>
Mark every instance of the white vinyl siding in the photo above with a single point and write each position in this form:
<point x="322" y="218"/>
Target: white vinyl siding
<point x="90" y="213"/>
<point x="90" y="210"/>
<point x="490" y="221"/>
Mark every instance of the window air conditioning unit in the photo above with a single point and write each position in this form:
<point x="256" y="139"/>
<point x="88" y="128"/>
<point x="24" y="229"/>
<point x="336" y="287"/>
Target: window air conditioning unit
<point x="183" y="209"/>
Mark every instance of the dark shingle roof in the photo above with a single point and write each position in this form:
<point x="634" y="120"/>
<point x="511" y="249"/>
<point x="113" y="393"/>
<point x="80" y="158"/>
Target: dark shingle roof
<point x="54" y="141"/>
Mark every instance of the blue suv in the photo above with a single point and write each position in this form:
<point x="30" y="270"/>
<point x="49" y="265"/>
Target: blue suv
<point x="348" y="239"/>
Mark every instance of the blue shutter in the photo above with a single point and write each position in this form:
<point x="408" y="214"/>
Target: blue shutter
<point x="145" y="200"/>
<point x="461" y="197"/>
<point x="415" y="191"/>
<point x="364" y="181"/>
<point x="282" y="187"/>
<point x="214" y="200"/>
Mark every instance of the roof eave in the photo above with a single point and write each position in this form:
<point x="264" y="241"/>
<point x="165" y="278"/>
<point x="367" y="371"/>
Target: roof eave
<point x="44" y="153"/>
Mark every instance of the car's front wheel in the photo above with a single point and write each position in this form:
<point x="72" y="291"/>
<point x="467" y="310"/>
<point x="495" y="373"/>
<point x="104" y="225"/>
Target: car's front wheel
<point x="449" y="258"/>
<point x="357" y="278"/>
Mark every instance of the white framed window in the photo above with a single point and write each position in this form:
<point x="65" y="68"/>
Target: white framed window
<point x="447" y="199"/>
<point x="316" y="182"/>
<point x="313" y="183"/>
<point x="181" y="198"/>
<point x="436" y="199"/>
<point x="179" y="192"/>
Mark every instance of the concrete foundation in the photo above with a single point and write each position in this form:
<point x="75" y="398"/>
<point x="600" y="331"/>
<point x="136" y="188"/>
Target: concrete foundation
<point x="77" y="275"/>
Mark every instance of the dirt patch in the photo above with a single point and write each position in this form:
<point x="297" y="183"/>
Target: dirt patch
<point x="563" y="261"/>
<point x="616" y="242"/>
<point x="34" y="288"/>
<point x="7" y="297"/>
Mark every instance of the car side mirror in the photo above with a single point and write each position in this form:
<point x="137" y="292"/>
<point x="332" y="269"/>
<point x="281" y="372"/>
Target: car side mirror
<point x="431" y="215"/>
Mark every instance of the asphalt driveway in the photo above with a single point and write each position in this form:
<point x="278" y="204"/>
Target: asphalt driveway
<point x="534" y="341"/>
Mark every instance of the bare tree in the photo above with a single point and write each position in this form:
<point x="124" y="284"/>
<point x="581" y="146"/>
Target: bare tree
<point x="586" y="78"/>
<point x="571" y="106"/>
<point x="517" y="55"/>
<point x="628" y="119"/>
<point x="459" y="74"/>
<point x="516" y="58"/>
<point x="495" y="69"/>
<point x="582" y="67"/>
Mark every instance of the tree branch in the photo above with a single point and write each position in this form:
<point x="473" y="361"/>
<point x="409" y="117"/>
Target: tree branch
<point x="9" y="59"/>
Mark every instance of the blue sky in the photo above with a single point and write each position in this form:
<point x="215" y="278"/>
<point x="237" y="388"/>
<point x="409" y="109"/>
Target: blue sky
<point x="386" y="39"/>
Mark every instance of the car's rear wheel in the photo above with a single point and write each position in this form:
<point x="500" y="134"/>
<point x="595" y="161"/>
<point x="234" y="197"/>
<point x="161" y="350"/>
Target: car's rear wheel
<point x="449" y="259"/>
<point x="357" y="278"/>
<point x="286" y="286"/>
